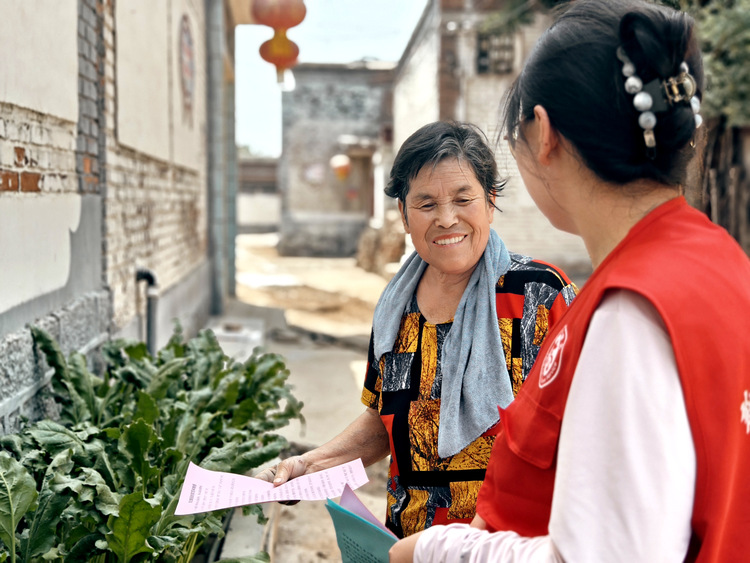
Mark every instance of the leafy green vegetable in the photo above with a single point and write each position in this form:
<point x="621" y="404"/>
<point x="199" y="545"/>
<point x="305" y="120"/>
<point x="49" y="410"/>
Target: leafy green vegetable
<point x="101" y="484"/>
<point x="130" y="529"/>
<point x="17" y="493"/>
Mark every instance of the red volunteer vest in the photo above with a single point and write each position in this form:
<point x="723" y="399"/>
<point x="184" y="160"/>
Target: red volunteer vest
<point x="698" y="279"/>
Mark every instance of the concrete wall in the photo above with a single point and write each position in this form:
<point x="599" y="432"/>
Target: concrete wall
<point x="258" y="213"/>
<point x="258" y="200"/>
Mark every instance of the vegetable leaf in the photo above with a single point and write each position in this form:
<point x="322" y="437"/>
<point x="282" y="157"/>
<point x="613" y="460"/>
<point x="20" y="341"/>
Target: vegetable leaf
<point x="17" y="493"/>
<point x="129" y="530"/>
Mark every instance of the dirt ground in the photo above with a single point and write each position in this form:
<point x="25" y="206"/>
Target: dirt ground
<point x="327" y="295"/>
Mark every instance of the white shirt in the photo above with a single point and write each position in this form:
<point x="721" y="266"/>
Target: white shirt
<point x="626" y="465"/>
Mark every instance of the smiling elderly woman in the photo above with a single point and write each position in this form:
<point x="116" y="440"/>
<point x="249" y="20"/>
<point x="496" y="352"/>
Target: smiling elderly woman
<point x="454" y="335"/>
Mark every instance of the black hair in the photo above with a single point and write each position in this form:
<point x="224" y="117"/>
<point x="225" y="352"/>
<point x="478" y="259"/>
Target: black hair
<point x="438" y="141"/>
<point x="574" y="73"/>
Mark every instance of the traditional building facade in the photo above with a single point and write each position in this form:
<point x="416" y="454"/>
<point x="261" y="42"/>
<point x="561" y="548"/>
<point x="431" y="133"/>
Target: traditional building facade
<point x="117" y="159"/>
<point x="343" y="111"/>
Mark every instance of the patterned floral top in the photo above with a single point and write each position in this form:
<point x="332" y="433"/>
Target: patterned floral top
<point x="405" y="387"/>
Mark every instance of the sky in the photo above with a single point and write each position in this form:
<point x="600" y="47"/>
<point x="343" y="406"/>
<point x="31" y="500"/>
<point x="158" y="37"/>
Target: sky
<point x="334" y="31"/>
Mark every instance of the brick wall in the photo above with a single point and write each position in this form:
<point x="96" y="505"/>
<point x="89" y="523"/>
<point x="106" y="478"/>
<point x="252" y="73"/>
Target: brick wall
<point x="36" y="152"/>
<point x="90" y="140"/>
<point x="156" y="214"/>
<point x="155" y="218"/>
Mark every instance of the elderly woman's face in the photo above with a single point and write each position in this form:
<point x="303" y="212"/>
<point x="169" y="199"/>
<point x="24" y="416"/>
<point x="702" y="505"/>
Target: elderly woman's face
<point x="448" y="216"/>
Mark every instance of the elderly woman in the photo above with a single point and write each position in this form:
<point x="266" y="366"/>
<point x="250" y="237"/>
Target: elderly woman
<point x="454" y="335"/>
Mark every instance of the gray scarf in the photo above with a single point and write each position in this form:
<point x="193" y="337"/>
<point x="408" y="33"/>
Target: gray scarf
<point x="475" y="377"/>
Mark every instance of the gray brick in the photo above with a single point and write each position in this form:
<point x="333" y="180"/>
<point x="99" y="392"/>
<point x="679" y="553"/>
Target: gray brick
<point x="91" y="33"/>
<point x="89" y="108"/>
<point x="87" y="69"/>
<point x="78" y="324"/>
<point x="17" y="365"/>
<point x="89" y="15"/>
<point x="90" y="90"/>
<point x="83" y="47"/>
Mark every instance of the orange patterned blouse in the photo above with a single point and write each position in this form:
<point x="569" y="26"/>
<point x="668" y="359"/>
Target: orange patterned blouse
<point x="405" y="385"/>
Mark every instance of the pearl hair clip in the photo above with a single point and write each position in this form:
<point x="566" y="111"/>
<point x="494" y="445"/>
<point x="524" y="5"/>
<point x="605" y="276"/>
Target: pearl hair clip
<point x="659" y="95"/>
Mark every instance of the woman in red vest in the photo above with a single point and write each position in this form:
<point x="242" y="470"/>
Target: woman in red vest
<point x="630" y="440"/>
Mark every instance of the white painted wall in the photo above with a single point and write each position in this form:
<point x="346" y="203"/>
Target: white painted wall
<point x="40" y="56"/>
<point x="35" y="248"/>
<point x="258" y="210"/>
<point x="415" y="93"/>
<point x="143" y="75"/>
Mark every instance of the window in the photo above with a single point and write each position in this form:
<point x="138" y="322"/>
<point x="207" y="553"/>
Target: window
<point x="495" y="53"/>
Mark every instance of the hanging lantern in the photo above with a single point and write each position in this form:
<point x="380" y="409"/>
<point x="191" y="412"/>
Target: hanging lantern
<point x="280" y="51"/>
<point x="280" y="15"/>
<point x="341" y="166"/>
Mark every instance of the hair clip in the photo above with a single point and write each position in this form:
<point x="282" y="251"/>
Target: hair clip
<point x="658" y="96"/>
<point x="680" y="88"/>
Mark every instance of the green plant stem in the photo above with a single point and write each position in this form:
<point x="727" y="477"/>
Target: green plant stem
<point x="190" y="550"/>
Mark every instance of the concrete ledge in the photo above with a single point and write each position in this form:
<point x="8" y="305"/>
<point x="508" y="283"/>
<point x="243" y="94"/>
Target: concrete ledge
<point x="82" y="325"/>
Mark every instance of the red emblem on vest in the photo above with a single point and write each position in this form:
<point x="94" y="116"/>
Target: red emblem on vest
<point x="553" y="359"/>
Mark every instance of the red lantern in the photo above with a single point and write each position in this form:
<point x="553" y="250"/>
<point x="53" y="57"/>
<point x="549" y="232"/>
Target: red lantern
<point x="341" y="166"/>
<point x="279" y="14"/>
<point x="280" y="51"/>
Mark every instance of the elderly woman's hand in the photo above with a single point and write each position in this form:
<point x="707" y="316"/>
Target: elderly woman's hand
<point x="291" y="467"/>
<point x="403" y="550"/>
<point x="278" y="474"/>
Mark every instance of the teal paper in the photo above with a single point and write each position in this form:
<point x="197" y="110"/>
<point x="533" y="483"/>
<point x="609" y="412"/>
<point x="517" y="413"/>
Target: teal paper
<point x="359" y="540"/>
